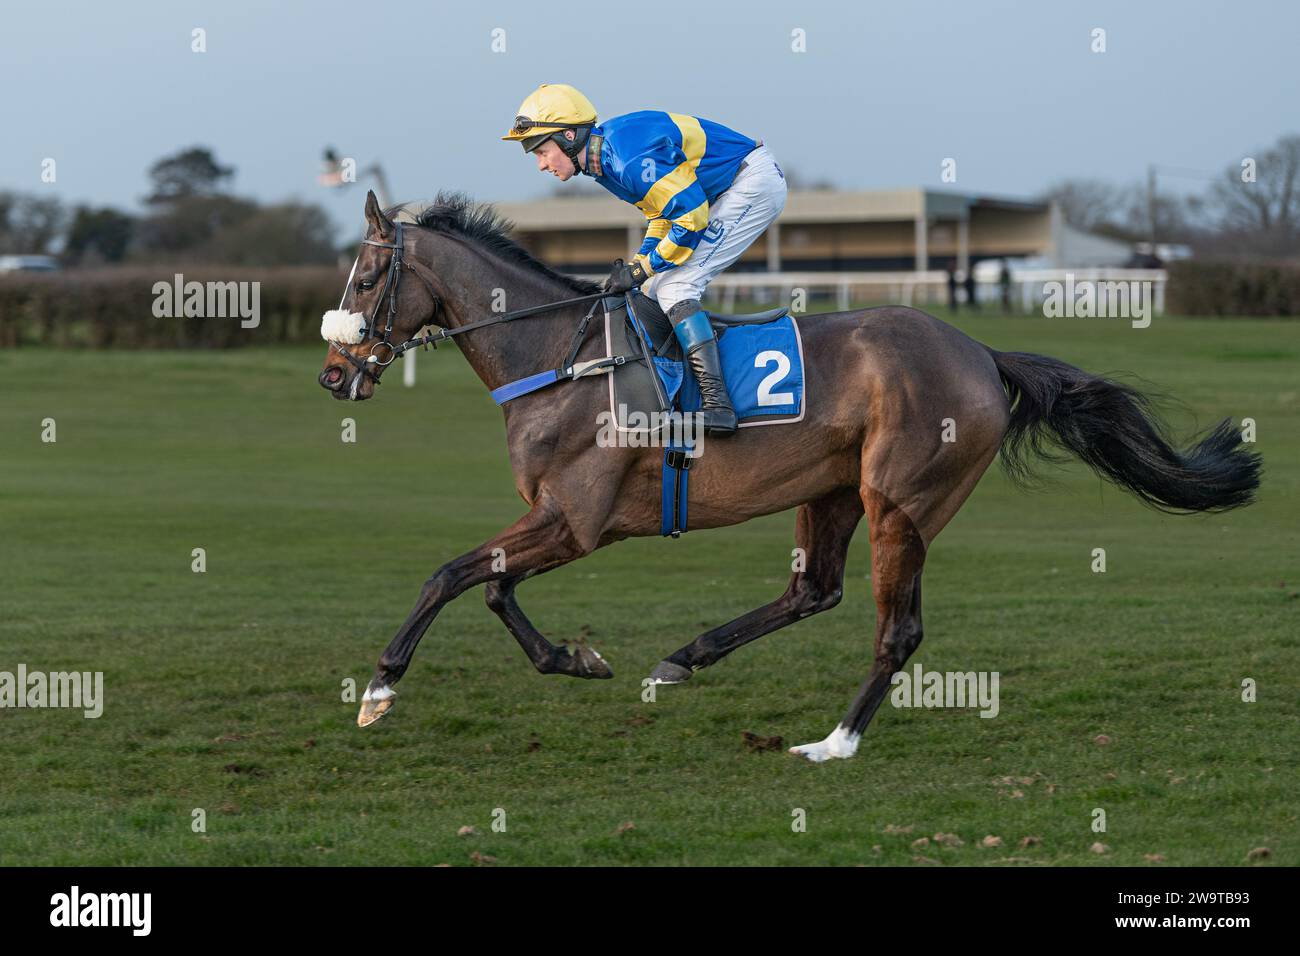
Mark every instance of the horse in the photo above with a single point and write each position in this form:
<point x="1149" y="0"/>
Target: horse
<point x="903" y="415"/>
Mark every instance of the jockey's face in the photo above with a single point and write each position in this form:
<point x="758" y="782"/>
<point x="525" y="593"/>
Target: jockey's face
<point x="551" y="159"/>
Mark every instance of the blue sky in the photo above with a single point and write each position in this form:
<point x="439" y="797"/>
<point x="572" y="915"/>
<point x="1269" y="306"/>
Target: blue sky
<point x="884" y="93"/>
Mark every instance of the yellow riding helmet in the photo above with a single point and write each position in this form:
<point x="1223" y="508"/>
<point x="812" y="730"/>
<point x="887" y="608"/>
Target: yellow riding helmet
<point x="549" y="109"/>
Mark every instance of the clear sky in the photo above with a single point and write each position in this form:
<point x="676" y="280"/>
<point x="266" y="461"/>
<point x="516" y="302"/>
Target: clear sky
<point x="883" y="94"/>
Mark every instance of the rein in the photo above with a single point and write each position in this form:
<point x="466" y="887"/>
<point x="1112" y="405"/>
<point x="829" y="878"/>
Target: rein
<point x="391" y="280"/>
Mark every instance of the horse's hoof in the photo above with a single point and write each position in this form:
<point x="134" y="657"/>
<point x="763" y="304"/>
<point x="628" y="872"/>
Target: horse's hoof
<point x="588" y="663"/>
<point x="841" y="743"/>
<point x="666" y="672"/>
<point x="375" y="704"/>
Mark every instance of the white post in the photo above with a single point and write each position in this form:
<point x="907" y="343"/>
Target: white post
<point x="774" y="247"/>
<point x="408" y="368"/>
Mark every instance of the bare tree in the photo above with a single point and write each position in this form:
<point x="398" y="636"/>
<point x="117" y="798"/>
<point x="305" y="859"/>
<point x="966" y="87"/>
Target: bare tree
<point x="1264" y="215"/>
<point x="1092" y="205"/>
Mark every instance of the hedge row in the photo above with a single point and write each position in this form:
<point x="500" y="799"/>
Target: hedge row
<point x="1200" y="287"/>
<point x="105" y="308"/>
<point x="116" y="307"/>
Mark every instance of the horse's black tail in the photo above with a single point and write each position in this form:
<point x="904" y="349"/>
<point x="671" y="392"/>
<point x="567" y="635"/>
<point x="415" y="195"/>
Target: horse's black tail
<point x="1114" y="428"/>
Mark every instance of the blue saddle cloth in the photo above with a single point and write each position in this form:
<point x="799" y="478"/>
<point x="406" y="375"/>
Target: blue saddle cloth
<point x="763" y="368"/>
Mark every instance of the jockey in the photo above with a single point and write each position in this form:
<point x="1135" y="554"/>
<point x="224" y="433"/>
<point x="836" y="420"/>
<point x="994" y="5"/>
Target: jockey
<point x="707" y="191"/>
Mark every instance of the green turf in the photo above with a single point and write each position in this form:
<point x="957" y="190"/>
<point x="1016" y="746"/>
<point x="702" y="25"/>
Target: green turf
<point x="224" y="688"/>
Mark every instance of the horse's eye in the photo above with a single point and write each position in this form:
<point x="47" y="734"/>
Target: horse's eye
<point x="366" y="285"/>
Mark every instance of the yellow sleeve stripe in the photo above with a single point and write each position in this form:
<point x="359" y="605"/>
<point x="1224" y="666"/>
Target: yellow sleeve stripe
<point x="670" y="251"/>
<point x="696" y="220"/>
<point x="668" y="187"/>
<point x="693" y="138"/>
<point x="658" y="228"/>
<point x="693" y="143"/>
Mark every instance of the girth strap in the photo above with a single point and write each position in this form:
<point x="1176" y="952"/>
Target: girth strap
<point x="675" y="492"/>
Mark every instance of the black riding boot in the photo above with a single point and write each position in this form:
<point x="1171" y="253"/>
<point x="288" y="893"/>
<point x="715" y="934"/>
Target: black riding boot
<point x="719" y="416"/>
<point x="701" y="349"/>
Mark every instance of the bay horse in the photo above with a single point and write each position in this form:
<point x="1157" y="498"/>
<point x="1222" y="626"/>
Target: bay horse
<point x="903" y="415"/>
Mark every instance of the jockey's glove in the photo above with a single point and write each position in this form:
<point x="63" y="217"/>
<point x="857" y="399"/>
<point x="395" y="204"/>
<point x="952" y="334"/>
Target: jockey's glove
<point x="624" y="277"/>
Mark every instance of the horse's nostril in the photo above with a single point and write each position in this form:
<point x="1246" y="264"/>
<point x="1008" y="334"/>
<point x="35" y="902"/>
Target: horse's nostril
<point x="331" y="377"/>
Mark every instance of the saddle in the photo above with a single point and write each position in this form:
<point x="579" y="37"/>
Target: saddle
<point x="659" y="328"/>
<point x="652" y="392"/>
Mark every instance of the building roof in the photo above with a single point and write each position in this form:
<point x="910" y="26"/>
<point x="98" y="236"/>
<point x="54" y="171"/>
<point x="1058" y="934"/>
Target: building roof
<point x="802" y="206"/>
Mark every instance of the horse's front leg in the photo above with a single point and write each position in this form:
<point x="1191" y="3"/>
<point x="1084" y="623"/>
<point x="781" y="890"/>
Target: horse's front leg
<point x="539" y="540"/>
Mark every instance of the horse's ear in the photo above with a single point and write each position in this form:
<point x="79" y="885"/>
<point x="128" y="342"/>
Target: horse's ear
<point x="379" y="223"/>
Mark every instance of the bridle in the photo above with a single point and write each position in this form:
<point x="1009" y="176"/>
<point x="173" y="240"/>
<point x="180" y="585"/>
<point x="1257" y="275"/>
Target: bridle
<point x="393" y="278"/>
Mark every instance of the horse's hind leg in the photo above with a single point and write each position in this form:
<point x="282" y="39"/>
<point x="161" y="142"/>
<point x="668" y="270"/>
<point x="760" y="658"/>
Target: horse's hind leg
<point x="823" y="529"/>
<point x="897" y="557"/>
<point x="910" y="490"/>
<point x="546" y="657"/>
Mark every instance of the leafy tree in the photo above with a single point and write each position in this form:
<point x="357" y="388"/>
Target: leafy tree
<point x="287" y="234"/>
<point x="185" y="225"/>
<point x="98" y="235"/>
<point x="29" y="224"/>
<point x="191" y="172"/>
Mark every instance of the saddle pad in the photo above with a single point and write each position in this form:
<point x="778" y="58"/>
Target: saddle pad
<point x="763" y="368"/>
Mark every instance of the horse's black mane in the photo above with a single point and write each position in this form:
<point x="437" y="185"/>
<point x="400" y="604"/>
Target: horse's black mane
<point x="458" y="214"/>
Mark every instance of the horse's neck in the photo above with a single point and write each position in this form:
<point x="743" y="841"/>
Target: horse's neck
<point x="510" y="350"/>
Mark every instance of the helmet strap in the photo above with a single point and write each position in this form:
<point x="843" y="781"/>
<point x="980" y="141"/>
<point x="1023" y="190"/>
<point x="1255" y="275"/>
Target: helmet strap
<point x="573" y="149"/>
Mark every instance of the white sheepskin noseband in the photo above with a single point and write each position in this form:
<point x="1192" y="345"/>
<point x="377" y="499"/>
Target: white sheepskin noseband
<point x="339" y="325"/>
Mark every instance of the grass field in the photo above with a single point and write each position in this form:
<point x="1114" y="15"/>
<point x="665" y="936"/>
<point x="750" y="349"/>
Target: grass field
<point x="224" y="689"/>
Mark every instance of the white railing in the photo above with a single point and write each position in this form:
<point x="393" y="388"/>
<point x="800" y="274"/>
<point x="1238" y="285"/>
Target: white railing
<point x="1033" y="283"/>
<point x="1028" y="286"/>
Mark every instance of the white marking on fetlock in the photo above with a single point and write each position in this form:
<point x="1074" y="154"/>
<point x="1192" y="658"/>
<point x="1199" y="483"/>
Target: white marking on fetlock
<point x="379" y="693"/>
<point x="841" y="743"/>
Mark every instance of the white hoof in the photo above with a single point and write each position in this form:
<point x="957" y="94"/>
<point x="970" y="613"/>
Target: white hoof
<point x="374" y="704"/>
<point x="841" y="743"/>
